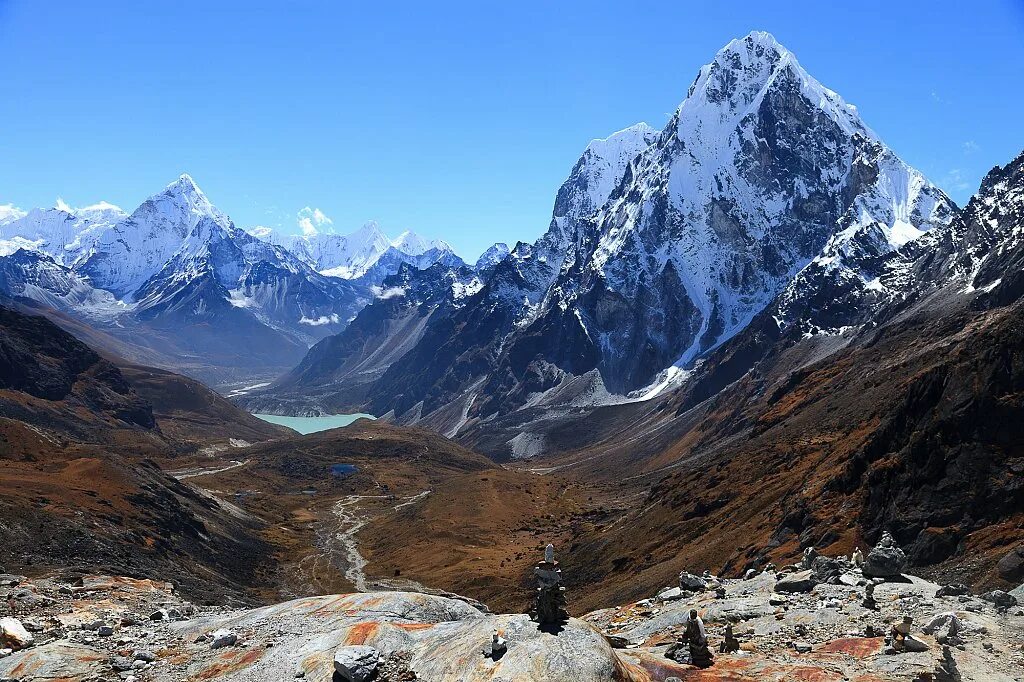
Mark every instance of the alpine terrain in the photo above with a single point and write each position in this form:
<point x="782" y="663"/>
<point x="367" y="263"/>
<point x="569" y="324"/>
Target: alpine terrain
<point x="178" y="282"/>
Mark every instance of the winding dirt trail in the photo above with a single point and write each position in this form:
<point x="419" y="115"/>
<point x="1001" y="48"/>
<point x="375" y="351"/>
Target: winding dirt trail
<point x="340" y="545"/>
<point x="182" y="474"/>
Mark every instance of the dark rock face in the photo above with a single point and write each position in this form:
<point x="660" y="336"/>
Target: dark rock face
<point x="40" y="359"/>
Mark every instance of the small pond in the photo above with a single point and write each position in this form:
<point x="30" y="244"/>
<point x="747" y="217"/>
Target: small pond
<point x="343" y="470"/>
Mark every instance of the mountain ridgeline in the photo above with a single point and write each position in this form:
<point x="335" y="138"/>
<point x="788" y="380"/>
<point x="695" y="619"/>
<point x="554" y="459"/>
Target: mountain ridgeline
<point x="179" y="285"/>
<point x="765" y="190"/>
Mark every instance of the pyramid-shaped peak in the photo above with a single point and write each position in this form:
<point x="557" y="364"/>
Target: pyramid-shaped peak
<point x="756" y="43"/>
<point x="738" y="80"/>
<point x="184" y="185"/>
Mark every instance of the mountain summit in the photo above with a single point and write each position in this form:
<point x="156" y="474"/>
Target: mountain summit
<point x="665" y="244"/>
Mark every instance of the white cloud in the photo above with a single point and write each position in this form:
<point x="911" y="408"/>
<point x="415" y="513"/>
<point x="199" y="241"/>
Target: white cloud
<point x="970" y="147"/>
<point x="311" y="220"/>
<point x="389" y="292"/>
<point x="261" y="232"/>
<point x="320" y="321"/>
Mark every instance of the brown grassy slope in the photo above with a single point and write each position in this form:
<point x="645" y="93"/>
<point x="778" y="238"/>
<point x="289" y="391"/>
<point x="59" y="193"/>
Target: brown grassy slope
<point x="915" y="428"/>
<point x="80" y="488"/>
<point x="187" y="410"/>
<point x="289" y="485"/>
<point x="480" y="534"/>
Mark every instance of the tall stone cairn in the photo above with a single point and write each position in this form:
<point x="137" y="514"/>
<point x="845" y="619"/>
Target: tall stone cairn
<point x="549" y="607"/>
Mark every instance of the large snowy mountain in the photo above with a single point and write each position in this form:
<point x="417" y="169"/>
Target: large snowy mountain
<point x="178" y="278"/>
<point x="665" y="244"/>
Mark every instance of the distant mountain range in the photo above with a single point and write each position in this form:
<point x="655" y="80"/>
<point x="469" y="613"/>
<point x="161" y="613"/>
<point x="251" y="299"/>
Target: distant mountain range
<point x="185" y="287"/>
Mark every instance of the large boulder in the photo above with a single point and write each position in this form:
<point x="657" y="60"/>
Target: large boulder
<point x="885" y="560"/>
<point x="356" y="663"/>
<point x="1011" y="566"/>
<point x="1002" y="600"/>
<point x="692" y="583"/>
<point x="13" y="634"/>
<point x="827" y="570"/>
<point x="801" y="581"/>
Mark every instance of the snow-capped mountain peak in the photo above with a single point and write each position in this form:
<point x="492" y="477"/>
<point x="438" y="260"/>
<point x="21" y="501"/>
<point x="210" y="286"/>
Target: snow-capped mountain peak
<point x="180" y="218"/>
<point x="415" y="245"/>
<point x="492" y="256"/>
<point x="735" y="83"/>
<point x="64" y="233"/>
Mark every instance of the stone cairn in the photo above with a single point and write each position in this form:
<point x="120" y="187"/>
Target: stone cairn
<point x="549" y="608"/>
<point x="729" y="644"/>
<point x="869" y="596"/>
<point x="697" y="639"/>
<point x="693" y="641"/>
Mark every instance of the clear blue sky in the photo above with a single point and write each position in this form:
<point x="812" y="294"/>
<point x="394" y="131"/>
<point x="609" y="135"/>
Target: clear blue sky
<point x="457" y="120"/>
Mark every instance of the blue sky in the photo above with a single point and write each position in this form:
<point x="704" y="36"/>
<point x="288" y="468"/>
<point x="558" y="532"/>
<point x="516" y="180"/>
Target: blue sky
<point x="457" y="120"/>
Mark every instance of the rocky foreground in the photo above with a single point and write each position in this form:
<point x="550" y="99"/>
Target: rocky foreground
<point x="823" y="619"/>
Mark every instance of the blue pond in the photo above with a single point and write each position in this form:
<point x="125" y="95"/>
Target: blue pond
<point x="343" y="470"/>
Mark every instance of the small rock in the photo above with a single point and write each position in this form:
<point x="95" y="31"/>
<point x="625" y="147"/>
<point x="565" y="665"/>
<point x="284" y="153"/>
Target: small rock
<point x="802" y="647"/>
<point x="121" y="663"/>
<point x="159" y="614"/>
<point x="953" y="590"/>
<point x="144" y="655"/>
<point x="104" y="631"/>
<point x="777" y="599"/>
<point x="222" y="638"/>
<point x="356" y="663"/>
<point x="750" y="574"/>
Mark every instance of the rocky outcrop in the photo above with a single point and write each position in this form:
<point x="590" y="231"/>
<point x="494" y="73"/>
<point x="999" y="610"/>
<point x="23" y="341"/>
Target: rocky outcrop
<point x="403" y="636"/>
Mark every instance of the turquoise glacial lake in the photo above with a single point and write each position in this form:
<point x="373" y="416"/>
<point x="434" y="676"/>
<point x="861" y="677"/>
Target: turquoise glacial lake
<point x="306" y="425"/>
